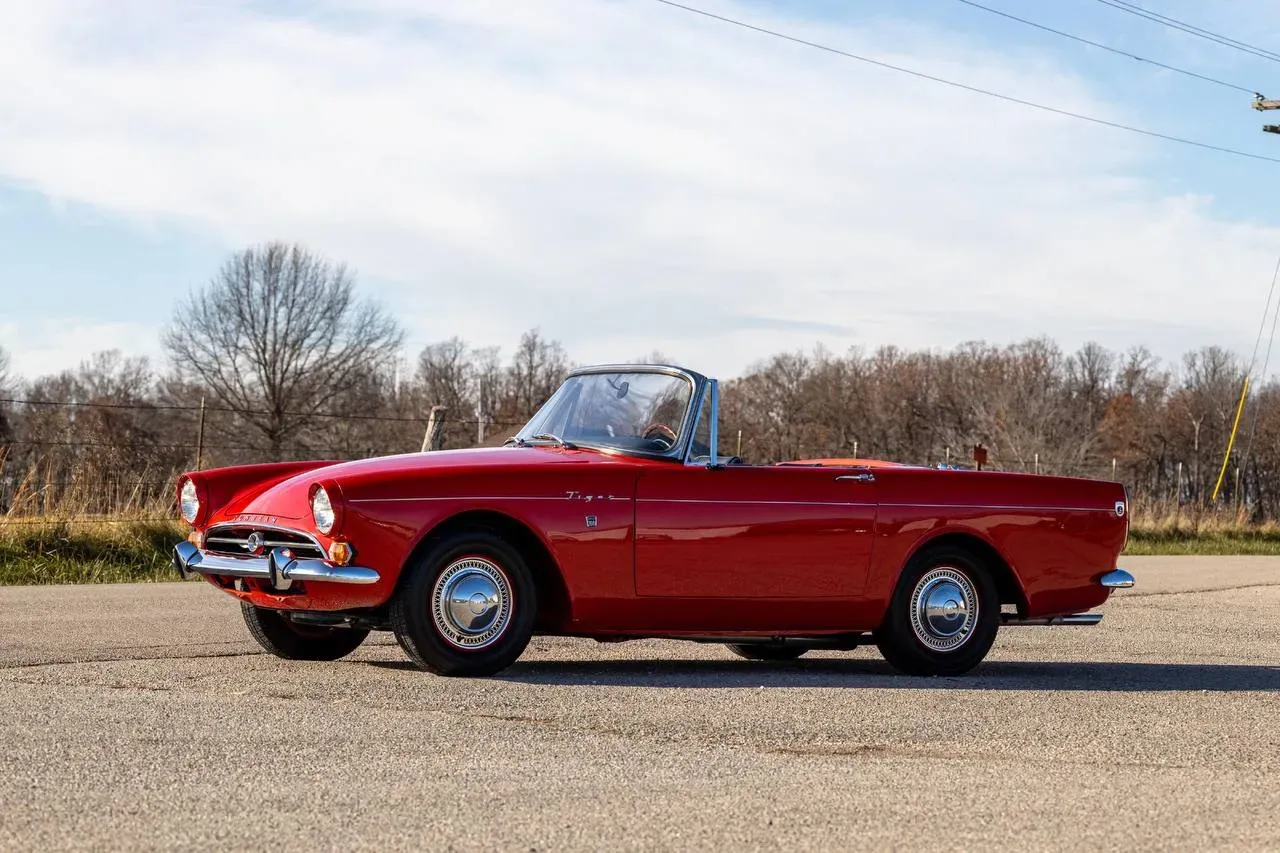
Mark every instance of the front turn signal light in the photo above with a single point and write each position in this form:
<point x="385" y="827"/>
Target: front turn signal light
<point x="195" y="538"/>
<point x="341" y="553"/>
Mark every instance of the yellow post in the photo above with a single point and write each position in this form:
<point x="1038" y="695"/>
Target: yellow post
<point x="1244" y="392"/>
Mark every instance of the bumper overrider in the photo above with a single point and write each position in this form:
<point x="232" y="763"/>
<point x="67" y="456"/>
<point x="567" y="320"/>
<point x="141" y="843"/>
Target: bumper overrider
<point x="278" y="567"/>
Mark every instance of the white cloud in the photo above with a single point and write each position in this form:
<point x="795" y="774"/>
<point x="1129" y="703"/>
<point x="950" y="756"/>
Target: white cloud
<point x="630" y="177"/>
<point x="60" y="343"/>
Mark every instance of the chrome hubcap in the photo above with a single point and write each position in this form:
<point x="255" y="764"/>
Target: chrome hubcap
<point x="471" y="603"/>
<point x="944" y="609"/>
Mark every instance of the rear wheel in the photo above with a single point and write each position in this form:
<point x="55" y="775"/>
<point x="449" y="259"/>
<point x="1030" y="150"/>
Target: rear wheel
<point x="767" y="651"/>
<point x="286" y="639"/>
<point x="467" y="606"/>
<point x="943" y="616"/>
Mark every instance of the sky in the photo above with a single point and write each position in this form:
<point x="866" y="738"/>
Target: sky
<point x="630" y="177"/>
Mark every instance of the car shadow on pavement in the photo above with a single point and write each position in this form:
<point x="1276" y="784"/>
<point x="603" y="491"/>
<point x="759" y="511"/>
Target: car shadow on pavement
<point x="861" y="673"/>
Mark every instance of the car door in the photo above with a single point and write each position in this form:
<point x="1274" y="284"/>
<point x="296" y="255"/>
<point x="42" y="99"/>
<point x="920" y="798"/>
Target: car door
<point x="754" y="532"/>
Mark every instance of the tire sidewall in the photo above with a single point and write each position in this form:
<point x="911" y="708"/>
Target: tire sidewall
<point x="282" y="638"/>
<point x="413" y="619"/>
<point x="898" y="641"/>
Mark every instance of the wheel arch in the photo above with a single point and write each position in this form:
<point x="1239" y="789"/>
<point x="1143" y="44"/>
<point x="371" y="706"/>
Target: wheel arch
<point x="1006" y="579"/>
<point x="554" y="603"/>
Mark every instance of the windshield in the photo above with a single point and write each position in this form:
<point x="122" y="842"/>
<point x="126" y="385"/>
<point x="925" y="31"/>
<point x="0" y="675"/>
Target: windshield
<point x="635" y="412"/>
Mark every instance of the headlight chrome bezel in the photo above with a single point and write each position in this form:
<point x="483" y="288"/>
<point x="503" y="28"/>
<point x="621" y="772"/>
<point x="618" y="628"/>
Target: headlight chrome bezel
<point x="189" y="501"/>
<point x="324" y="510"/>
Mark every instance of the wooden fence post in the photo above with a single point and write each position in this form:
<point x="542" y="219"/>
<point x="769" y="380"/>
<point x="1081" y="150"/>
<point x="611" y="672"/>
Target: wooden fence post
<point x="434" y="437"/>
<point x="200" y="438"/>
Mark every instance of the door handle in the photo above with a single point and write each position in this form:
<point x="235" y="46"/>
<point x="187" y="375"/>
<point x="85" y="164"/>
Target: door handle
<point x="864" y="477"/>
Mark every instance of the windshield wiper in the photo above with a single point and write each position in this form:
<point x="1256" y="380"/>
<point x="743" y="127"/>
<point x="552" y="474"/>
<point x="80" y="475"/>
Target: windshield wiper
<point x="555" y="439"/>
<point x="517" y="441"/>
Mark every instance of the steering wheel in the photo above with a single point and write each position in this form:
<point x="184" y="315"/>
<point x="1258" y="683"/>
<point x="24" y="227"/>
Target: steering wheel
<point x="660" y="433"/>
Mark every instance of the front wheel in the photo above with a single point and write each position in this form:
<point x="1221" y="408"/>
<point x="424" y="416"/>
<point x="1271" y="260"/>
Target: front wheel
<point x="467" y="607"/>
<point x="943" y="616"/>
<point x="291" y="641"/>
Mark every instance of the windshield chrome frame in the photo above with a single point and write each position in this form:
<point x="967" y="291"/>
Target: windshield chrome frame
<point x="710" y="393"/>
<point x="679" y="451"/>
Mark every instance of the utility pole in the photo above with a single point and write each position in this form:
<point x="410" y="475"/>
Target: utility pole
<point x="1262" y="104"/>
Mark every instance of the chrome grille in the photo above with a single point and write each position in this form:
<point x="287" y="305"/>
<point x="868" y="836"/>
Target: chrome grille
<point x="233" y="540"/>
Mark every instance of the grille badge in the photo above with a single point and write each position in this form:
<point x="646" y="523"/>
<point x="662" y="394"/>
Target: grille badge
<point x="254" y="543"/>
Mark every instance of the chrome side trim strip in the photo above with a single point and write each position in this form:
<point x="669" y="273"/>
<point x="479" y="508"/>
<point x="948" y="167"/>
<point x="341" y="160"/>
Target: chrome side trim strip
<point x="1074" y="619"/>
<point x="1108" y="510"/>
<point x="1118" y="579"/>
<point x="731" y="501"/>
<point x="278" y="566"/>
<point x="469" y="498"/>
<point x="751" y="503"/>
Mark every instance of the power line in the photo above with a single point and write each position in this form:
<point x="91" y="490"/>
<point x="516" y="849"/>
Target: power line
<point x="1253" y="360"/>
<point x="1192" y="29"/>
<point x="174" y="408"/>
<point x="1108" y="48"/>
<point x="155" y="407"/>
<point x="135" y="445"/>
<point x="44" y="484"/>
<point x="24" y="522"/>
<point x="966" y="87"/>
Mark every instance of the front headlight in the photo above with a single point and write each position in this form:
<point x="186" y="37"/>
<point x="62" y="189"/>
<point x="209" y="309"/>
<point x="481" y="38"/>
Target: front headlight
<point x="322" y="510"/>
<point x="189" y="502"/>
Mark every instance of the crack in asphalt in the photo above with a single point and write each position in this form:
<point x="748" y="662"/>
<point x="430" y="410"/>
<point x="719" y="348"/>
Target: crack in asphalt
<point x="561" y="726"/>
<point x="1205" y="591"/>
<point x="50" y="663"/>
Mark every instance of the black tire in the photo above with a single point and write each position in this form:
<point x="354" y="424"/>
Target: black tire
<point x="288" y="640"/>
<point x="433" y="637"/>
<point x="767" y="651"/>
<point x="928" y="649"/>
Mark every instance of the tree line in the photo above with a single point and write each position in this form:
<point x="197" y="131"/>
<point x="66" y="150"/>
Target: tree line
<point x="277" y="357"/>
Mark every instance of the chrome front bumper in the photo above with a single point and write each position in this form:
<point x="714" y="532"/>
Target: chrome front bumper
<point x="278" y="567"/>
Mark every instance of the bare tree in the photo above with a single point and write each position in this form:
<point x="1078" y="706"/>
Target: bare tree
<point x="445" y="373"/>
<point x="490" y="387"/>
<point x="6" y="428"/>
<point x="278" y="335"/>
<point x="536" y="371"/>
<point x="446" y="377"/>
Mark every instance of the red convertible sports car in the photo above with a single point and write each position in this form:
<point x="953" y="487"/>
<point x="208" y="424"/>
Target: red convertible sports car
<point x="613" y="515"/>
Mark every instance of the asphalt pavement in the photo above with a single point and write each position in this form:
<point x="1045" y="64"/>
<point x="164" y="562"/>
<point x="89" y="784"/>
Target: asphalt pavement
<point x="143" y="716"/>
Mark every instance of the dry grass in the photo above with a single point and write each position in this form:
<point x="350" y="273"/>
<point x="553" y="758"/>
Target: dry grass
<point x="85" y="531"/>
<point x="1164" y="527"/>
<point x="116" y="550"/>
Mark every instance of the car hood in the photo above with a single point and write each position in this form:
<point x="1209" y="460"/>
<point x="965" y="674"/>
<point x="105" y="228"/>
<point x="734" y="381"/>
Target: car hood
<point x="289" y="499"/>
